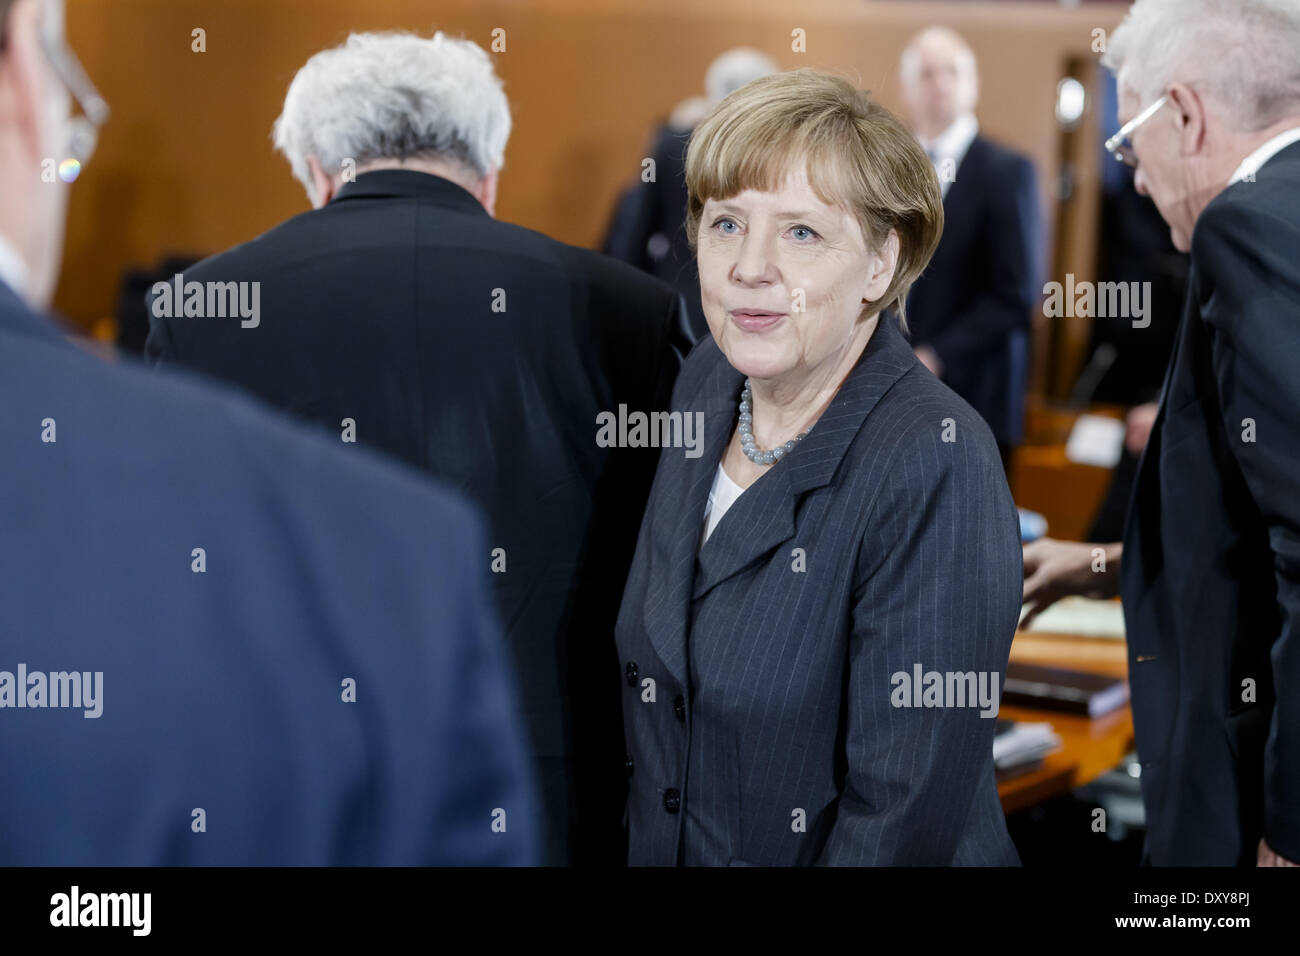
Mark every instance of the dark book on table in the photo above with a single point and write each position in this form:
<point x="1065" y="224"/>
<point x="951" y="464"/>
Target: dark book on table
<point x="1055" y="688"/>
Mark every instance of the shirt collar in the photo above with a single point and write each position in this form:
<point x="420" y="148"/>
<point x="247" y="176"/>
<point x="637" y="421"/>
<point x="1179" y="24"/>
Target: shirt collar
<point x="953" y="142"/>
<point x="13" y="270"/>
<point x="1251" y="164"/>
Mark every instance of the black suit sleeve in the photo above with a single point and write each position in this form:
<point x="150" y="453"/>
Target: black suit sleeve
<point x="677" y="345"/>
<point x="939" y="586"/>
<point x="1250" y="299"/>
<point x="1012" y="286"/>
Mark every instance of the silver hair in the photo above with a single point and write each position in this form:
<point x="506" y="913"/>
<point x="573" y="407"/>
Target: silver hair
<point x="1243" y="54"/>
<point x="733" y="69"/>
<point x="395" y="96"/>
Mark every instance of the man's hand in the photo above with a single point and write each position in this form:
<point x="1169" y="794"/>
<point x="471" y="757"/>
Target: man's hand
<point x="1057" y="569"/>
<point x="930" y="359"/>
<point x="1268" y="857"/>
<point x="1137" y="426"/>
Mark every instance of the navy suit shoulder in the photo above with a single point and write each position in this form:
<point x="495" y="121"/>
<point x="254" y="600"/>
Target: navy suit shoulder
<point x="231" y="573"/>
<point x="1001" y="159"/>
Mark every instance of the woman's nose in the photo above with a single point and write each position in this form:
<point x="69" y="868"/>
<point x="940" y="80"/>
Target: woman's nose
<point x="754" y="265"/>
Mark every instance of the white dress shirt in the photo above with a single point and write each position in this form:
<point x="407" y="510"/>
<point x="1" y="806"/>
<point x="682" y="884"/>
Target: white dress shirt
<point x="948" y="149"/>
<point x="13" y="270"/>
<point x="1250" y="165"/>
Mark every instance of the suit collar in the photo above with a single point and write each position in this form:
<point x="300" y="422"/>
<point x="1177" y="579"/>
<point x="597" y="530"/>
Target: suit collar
<point x="763" y="517"/>
<point x="409" y="184"/>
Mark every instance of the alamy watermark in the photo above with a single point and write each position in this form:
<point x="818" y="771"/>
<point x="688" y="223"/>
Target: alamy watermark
<point x="73" y="689"/>
<point x="946" y="689"/>
<point x="75" y="908"/>
<point x="651" y="430"/>
<point x="1100" y="300"/>
<point x="208" y="300"/>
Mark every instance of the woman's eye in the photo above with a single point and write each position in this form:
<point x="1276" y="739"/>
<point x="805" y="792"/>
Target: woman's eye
<point x="722" y="226"/>
<point x="803" y="234"/>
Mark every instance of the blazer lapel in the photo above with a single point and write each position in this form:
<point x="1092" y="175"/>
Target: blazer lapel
<point x="758" y="521"/>
<point x="764" y="516"/>
<point x="681" y="492"/>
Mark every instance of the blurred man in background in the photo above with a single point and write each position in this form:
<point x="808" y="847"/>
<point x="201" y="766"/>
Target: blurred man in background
<point x="648" y="229"/>
<point x="401" y="314"/>
<point x="1209" y="569"/>
<point x="970" y="312"/>
<point x="222" y="641"/>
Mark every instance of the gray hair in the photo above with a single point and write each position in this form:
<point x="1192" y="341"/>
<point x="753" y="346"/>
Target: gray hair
<point x="1243" y="54"/>
<point x="395" y="96"/>
<point x="733" y="69"/>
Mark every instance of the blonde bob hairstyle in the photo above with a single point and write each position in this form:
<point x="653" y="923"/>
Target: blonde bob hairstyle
<point x="857" y="154"/>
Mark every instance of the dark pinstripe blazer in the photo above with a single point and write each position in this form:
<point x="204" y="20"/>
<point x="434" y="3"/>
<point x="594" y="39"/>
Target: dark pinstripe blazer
<point x="757" y="698"/>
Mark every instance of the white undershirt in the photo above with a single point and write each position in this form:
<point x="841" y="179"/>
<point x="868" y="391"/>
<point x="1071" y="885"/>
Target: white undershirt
<point x="722" y="496"/>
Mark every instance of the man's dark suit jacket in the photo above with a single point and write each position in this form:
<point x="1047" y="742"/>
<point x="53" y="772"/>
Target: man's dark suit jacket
<point x="758" y="679"/>
<point x="974" y="302"/>
<point x="648" y="229"/>
<point x="1211" y="564"/>
<point x="223" y="690"/>
<point x="481" y="352"/>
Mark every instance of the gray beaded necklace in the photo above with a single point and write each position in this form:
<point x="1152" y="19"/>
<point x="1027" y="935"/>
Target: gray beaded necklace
<point x="746" y="427"/>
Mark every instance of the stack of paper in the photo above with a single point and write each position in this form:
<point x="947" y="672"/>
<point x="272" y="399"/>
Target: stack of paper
<point x="1018" y="743"/>
<point x="1084" y="617"/>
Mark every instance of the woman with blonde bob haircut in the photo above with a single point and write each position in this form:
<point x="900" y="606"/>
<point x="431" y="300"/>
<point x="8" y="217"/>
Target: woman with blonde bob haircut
<point x="818" y="618"/>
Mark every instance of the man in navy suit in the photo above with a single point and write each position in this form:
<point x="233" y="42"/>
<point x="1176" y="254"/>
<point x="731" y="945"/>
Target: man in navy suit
<point x="222" y="641"/>
<point x="970" y="311"/>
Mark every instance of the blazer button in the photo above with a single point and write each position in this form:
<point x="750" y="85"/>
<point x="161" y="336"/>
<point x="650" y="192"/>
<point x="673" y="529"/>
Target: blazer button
<point x="672" y="800"/>
<point x="679" y="708"/>
<point x="629" y="765"/>
<point x="632" y="673"/>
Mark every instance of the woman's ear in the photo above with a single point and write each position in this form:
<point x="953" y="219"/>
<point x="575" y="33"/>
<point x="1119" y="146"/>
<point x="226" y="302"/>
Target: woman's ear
<point x="884" y="262"/>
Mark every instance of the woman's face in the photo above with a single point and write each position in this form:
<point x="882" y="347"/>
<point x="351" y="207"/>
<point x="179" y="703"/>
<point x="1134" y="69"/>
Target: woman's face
<point x="783" y="279"/>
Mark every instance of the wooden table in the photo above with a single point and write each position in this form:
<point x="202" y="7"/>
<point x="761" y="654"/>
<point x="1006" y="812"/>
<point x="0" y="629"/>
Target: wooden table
<point x="1043" y="479"/>
<point x="1090" y="746"/>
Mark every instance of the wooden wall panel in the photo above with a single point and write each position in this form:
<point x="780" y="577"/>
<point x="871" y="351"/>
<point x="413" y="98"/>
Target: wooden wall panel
<point x="186" y="163"/>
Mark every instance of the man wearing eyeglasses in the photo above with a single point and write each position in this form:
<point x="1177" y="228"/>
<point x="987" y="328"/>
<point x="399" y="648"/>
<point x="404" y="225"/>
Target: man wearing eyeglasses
<point x="1209" y="569"/>
<point x="223" y="641"/>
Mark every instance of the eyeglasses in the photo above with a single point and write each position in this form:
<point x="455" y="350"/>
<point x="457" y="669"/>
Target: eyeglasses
<point x="1120" y="145"/>
<point x="84" y="129"/>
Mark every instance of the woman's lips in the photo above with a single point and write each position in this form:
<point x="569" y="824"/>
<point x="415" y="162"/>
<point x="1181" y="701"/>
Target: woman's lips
<point x="755" y="321"/>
